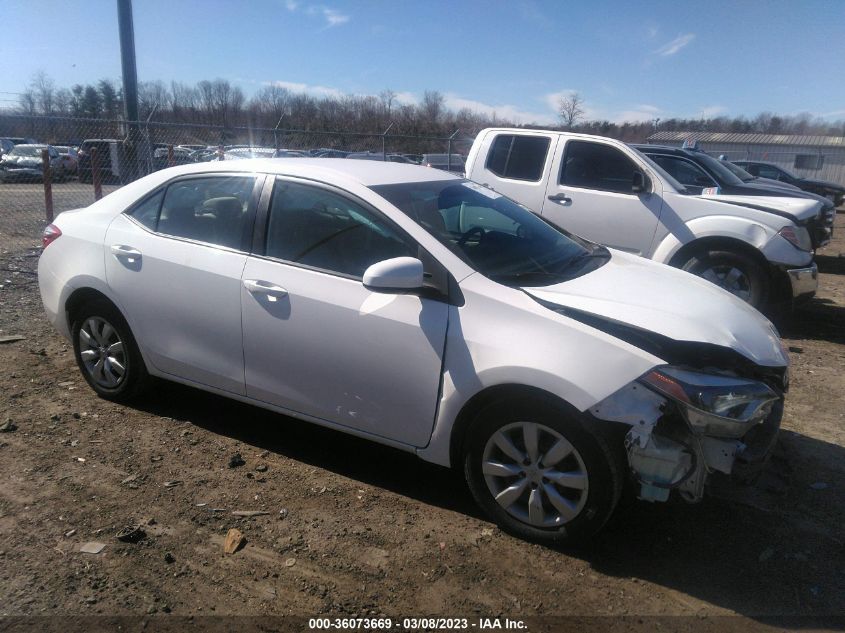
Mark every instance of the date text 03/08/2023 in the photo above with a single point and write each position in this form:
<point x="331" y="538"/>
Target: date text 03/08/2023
<point x="413" y="624"/>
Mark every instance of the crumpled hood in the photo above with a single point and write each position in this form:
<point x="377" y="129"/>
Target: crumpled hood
<point x="799" y="209"/>
<point x="675" y="304"/>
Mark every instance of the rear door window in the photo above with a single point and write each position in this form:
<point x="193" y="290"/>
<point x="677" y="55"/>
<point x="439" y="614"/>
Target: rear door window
<point x="518" y="157"/>
<point x="767" y="171"/>
<point x="597" y="166"/>
<point x="215" y="210"/>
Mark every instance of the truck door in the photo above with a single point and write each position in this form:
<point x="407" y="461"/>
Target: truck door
<point x="590" y="193"/>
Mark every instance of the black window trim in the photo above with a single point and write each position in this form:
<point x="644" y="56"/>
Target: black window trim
<point x="248" y="231"/>
<point x="440" y="285"/>
<point x="513" y="137"/>
<point x="636" y="165"/>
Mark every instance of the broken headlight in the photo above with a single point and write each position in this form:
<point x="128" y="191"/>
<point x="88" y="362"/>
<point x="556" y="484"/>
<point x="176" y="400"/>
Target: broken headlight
<point x="715" y="405"/>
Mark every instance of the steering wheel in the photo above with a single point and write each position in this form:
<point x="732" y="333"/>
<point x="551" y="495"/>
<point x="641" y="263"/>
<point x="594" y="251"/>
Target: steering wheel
<point x="470" y="232"/>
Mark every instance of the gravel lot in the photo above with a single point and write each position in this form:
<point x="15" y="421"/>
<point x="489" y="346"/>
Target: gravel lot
<point x="356" y="528"/>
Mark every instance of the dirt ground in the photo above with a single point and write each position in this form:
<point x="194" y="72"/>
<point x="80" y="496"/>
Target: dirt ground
<point x="354" y="528"/>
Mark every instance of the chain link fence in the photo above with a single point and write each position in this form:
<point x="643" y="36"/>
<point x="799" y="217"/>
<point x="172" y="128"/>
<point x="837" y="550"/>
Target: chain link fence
<point x="94" y="157"/>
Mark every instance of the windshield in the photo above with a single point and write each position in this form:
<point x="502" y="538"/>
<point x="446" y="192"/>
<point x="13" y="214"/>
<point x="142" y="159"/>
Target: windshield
<point x="26" y="150"/>
<point x="719" y="168"/>
<point x="677" y="186"/>
<point x="493" y="234"/>
<point x="737" y="171"/>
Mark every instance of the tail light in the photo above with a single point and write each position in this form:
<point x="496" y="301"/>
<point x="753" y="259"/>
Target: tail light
<point x="50" y="235"/>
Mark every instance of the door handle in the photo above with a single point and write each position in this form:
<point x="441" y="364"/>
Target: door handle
<point x="258" y="286"/>
<point x="560" y="197"/>
<point x="131" y="254"/>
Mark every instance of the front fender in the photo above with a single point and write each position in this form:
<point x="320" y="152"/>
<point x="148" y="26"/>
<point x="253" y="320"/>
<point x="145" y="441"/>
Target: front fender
<point x="753" y="233"/>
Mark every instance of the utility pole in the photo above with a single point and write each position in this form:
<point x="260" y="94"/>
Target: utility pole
<point x="127" y="59"/>
<point x="130" y="85"/>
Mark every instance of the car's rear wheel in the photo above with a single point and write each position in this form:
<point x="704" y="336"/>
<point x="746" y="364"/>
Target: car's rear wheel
<point x="735" y="272"/>
<point x="539" y="473"/>
<point x="106" y="352"/>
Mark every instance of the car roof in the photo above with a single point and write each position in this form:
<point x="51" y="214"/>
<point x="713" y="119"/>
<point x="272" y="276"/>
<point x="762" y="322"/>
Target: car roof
<point x="755" y="162"/>
<point x="364" y="172"/>
<point x="664" y="149"/>
<point x="36" y="145"/>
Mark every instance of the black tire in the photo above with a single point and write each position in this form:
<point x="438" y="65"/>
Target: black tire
<point x="603" y="470"/>
<point x="754" y="285"/>
<point x="135" y="378"/>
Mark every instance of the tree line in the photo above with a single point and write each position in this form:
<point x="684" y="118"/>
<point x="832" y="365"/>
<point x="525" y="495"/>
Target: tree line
<point x="218" y="102"/>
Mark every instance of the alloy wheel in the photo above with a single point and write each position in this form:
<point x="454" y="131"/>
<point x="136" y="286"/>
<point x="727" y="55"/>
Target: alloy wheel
<point x="731" y="279"/>
<point x="535" y="474"/>
<point x="103" y="352"/>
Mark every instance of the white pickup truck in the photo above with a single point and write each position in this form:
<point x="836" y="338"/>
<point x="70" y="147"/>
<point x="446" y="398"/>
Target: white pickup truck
<point x="757" y="247"/>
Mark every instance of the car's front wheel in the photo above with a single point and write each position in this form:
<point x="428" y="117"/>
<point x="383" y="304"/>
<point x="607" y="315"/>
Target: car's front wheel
<point x="539" y="473"/>
<point x="106" y="352"/>
<point x="735" y="272"/>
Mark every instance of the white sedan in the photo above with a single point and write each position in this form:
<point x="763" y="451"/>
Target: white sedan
<point x="421" y="310"/>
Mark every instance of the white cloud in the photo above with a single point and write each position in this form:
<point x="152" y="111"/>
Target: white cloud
<point x="708" y="112"/>
<point x="670" y="48"/>
<point x="313" y="90"/>
<point x="504" y="111"/>
<point x="638" y="114"/>
<point x="333" y="17"/>
<point x="406" y="98"/>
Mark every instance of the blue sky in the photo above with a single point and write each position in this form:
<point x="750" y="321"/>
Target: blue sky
<point x="629" y="60"/>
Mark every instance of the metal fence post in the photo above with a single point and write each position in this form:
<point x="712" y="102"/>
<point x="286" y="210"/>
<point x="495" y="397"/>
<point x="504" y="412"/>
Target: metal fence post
<point x="170" y="161"/>
<point x="449" y="155"/>
<point x="95" y="174"/>
<point x="384" y="142"/>
<point x="47" y="173"/>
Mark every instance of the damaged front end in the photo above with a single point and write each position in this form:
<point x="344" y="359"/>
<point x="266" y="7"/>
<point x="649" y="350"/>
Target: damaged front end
<point x="688" y="424"/>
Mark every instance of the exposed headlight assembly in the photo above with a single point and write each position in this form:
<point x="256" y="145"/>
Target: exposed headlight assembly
<point x="714" y="405"/>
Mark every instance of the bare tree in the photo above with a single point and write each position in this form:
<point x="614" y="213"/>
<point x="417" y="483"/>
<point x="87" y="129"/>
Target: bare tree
<point x="432" y="105"/>
<point x="570" y="109"/>
<point x="63" y="101"/>
<point x="387" y="98"/>
<point x="29" y="104"/>
<point x="43" y="88"/>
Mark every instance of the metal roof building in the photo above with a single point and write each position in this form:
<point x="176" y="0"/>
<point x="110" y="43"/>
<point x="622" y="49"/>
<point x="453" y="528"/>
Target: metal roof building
<point x="819" y="157"/>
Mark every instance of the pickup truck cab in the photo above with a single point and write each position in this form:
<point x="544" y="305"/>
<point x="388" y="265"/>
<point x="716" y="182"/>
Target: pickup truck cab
<point x="756" y="247"/>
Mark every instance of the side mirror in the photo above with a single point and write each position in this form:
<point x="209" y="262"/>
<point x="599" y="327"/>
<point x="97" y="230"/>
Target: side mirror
<point x="640" y="182"/>
<point x="399" y="273"/>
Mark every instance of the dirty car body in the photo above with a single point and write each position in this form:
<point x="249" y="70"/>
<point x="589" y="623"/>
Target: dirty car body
<point x="426" y="312"/>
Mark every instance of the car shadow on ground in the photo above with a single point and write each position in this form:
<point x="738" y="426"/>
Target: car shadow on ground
<point x="817" y="319"/>
<point x="343" y="454"/>
<point x="769" y="550"/>
<point x="830" y="264"/>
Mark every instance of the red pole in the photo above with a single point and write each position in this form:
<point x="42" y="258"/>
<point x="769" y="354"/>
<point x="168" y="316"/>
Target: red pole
<point x="48" y="183"/>
<point x="95" y="174"/>
<point x="170" y="161"/>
